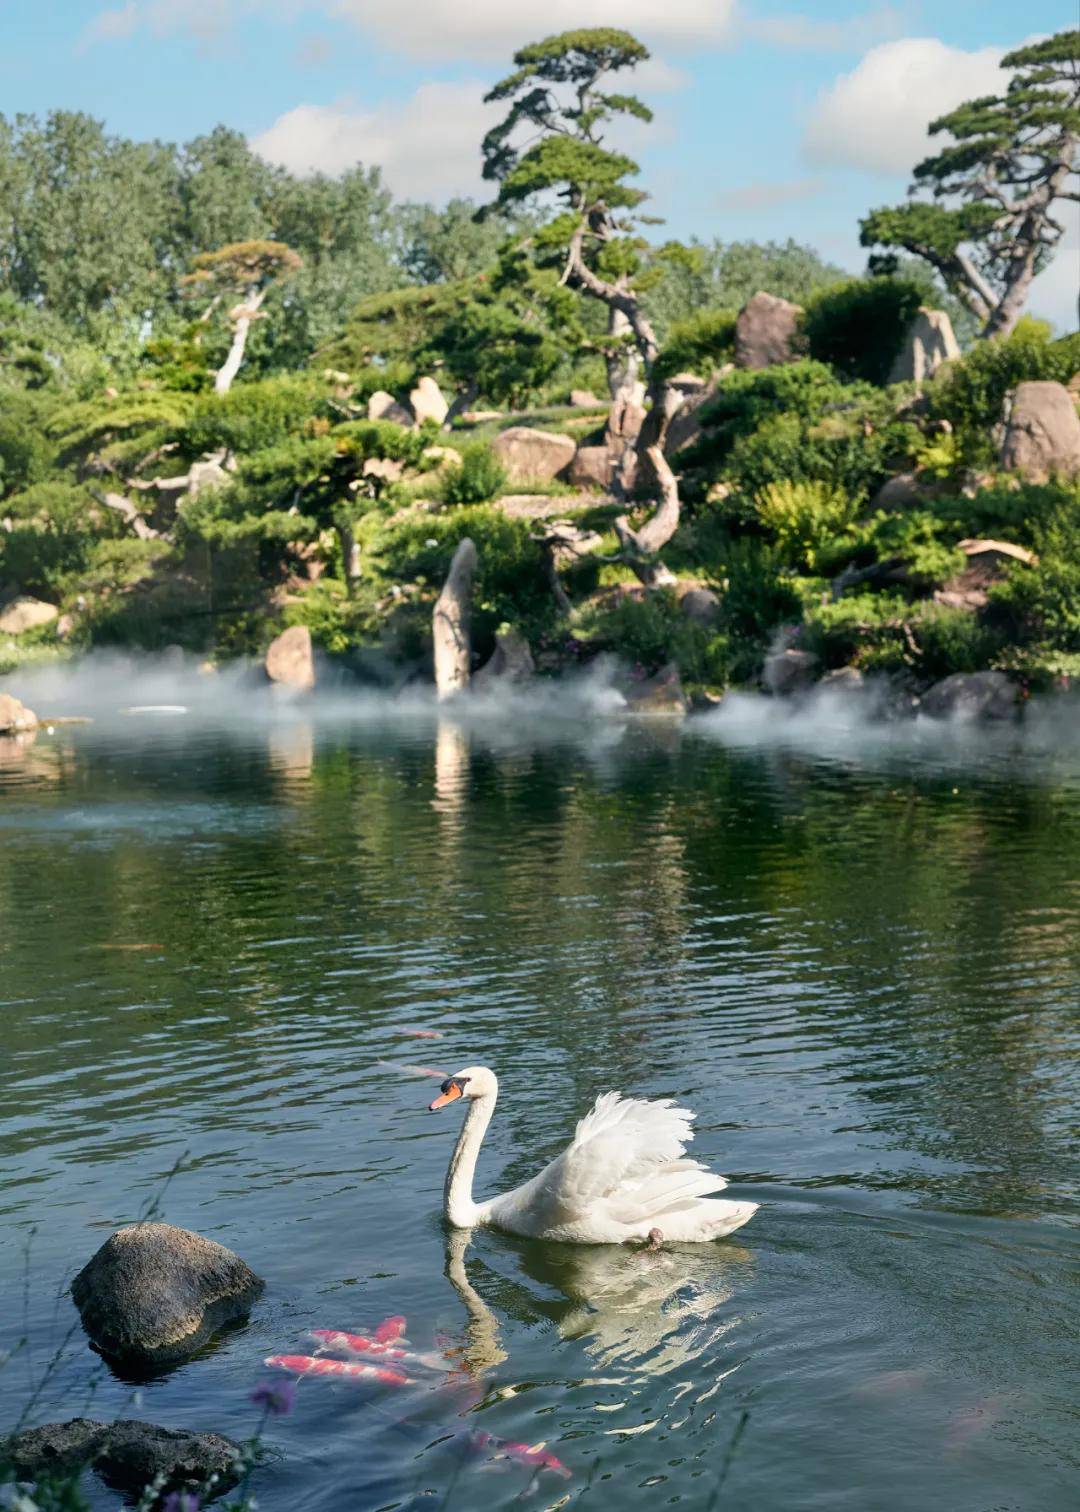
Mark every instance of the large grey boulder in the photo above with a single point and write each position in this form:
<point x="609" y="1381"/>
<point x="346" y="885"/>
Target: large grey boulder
<point x="531" y="455"/>
<point x="510" y="664"/>
<point x="290" y="661"/>
<point x="26" y="613"/>
<point x="15" y="717"/>
<point x="383" y="406"/>
<point x="153" y="1293"/>
<point x="1042" y="433"/>
<point x="789" y="671"/>
<point x="929" y="342"/>
<point x="592" y="467"/>
<point x="971" y="695"/>
<point x="127" y="1454"/>
<point x="766" y="331"/>
<point x="450" y="623"/>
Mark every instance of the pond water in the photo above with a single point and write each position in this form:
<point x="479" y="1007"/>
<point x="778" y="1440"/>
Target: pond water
<point x="856" y="956"/>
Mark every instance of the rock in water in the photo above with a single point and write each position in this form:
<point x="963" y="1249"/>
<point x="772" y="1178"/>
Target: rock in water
<point x="128" y="1454"/>
<point x="789" y="671"/>
<point x="24" y="614"/>
<point x="766" y="331"/>
<point x="928" y="343"/>
<point x="533" y="455"/>
<point x="510" y="663"/>
<point x="15" y="717"/>
<point x="662" y="694"/>
<point x="289" y="659"/>
<point x="153" y="1293"/>
<point x="971" y="695"/>
<point x="427" y="402"/>
<point x="450" y="624"/>
<point x="1042" y="436"/>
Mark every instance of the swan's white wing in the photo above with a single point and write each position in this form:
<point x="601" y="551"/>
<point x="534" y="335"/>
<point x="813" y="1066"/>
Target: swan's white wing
<point x="624" y="1171"/>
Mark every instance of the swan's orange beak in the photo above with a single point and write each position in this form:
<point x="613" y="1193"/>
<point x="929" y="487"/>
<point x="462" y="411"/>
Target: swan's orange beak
<point x="450" y="1093"/>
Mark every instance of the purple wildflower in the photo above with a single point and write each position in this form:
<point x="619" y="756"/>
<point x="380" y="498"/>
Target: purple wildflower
<point x="180" y="1501"/>
<point x="278" y="1398"/>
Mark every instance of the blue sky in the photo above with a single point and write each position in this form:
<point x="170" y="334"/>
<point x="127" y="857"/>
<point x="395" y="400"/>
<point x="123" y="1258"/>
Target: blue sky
<point x="773" y="119"/>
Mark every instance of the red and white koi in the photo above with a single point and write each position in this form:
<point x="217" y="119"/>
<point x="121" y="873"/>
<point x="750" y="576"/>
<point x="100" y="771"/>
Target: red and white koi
<point x="352" y="1370"/>
<point x="337" y="1341"/>
<point x="390" y="1329"/>
<point x="536" y="1456"/>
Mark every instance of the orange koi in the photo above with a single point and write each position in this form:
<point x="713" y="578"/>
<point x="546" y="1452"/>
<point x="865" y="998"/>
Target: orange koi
<point x="390" y="1329"/>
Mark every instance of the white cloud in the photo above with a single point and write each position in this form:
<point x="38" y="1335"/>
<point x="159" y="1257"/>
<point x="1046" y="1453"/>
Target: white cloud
<point x="440" y="29"/>
<point x="427" y="146"/>
<point x="816" y="34"/>
<point x="494" y="28"/>
<point x="767" y="196"/>
<point x="876" y="116"/>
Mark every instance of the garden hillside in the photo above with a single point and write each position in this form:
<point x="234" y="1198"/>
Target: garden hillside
<point x="270" y="402"/>
<point x="895" y="527"/>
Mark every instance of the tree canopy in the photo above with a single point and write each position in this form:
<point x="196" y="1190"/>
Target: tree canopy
<point x="990" y="226"/>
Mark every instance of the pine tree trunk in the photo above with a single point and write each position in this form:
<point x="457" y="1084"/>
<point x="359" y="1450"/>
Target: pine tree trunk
<point x="228" y="370"/>
<point x="623" y="365"/>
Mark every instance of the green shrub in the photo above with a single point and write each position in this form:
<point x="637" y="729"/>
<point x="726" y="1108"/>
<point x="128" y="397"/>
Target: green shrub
<point x="805" y="517"/>
<point x="252" y="416"/>
<point x="881" y="632"/>
<point x="859" y="327"/>
<point x="480" y="477"/>
<point x="1042" y="602"/>
<point x="970" y="394"/>
<point x="26" y="453"/>
<point x="914" y="540"/>
<point x="78" y="428"/>
<point x="649" y="630"/>
<point x="511" y="583"/>
<point x="699" y="344"/>
<point x="53" y="536"/>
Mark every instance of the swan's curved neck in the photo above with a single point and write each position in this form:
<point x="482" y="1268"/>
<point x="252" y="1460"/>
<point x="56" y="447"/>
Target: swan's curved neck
<point x="460" y="1208"/>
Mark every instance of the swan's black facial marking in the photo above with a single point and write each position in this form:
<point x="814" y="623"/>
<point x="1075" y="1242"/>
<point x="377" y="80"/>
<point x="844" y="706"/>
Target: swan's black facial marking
<point x="452" y="1088"/>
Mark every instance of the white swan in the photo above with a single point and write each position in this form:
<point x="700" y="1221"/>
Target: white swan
<point x="623" y="1176"/>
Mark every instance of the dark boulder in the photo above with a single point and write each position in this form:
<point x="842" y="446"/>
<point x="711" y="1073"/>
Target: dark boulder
<point x="128" y="1455"/>
<point x="971" y="695"/>
<point x="153" y="1293"/>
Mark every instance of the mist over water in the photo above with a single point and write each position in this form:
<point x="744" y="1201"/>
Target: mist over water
<point x="825" y="723"/>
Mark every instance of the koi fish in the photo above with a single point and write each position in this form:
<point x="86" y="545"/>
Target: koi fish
<point x="387" y="1065"/>
<point x="334" y="1338"/>
<point x="361" y="1344"/>
<point x="305" y="1365"/>
<point x="422" y="1033"/>
<point x="389" y="1329"/>
<point x="536" y="1456"/>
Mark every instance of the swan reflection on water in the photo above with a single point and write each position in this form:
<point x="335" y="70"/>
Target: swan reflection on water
<point x="634" y="1310"/>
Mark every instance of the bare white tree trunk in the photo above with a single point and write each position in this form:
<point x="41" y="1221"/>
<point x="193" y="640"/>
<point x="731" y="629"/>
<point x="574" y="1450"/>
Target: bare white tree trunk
<point x="350" y="557"/>
<point x="450" y="624"/>
<point x="242" y="316"/>
<point x="641" y="546"/>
